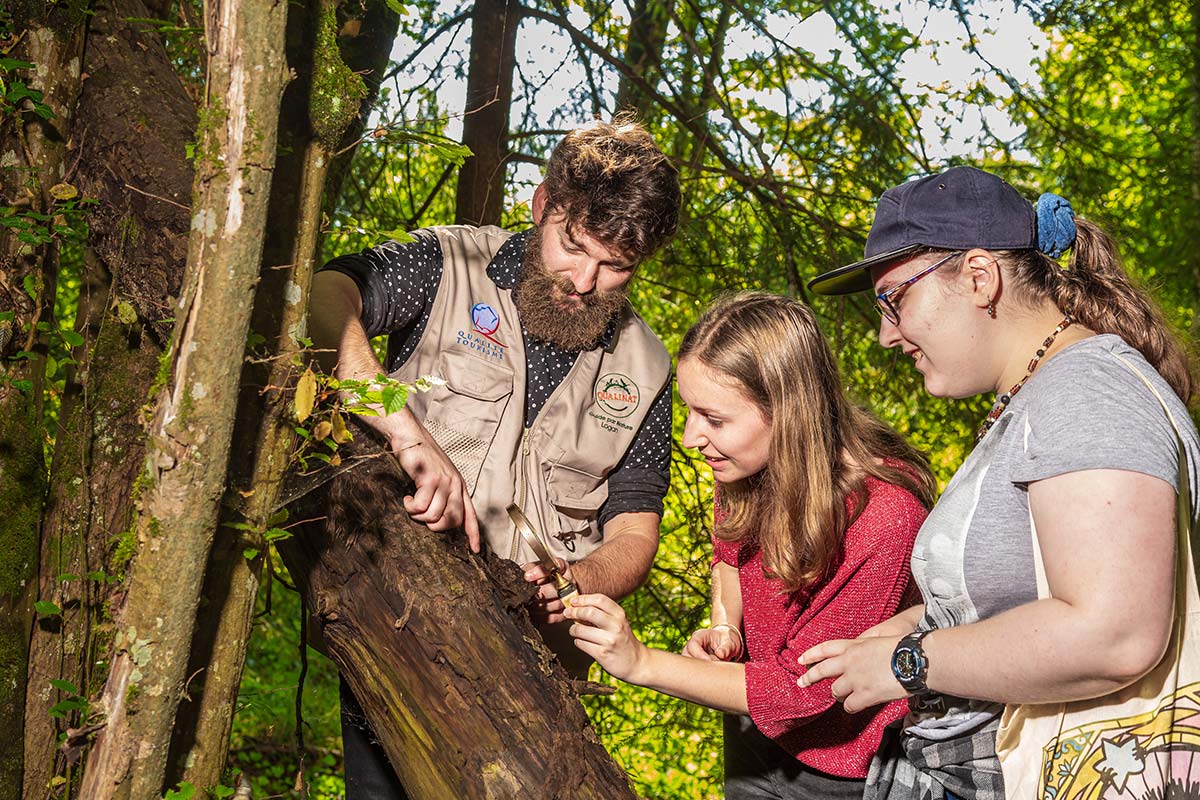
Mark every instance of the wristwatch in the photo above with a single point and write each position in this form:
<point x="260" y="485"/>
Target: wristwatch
<point x="909" y="663"/>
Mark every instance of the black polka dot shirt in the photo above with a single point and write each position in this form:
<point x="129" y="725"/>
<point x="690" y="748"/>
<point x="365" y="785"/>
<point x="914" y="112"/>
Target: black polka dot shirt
<point x="398" y="284"/>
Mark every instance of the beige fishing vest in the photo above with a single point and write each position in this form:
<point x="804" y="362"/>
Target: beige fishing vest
<point x="557" y="469"/>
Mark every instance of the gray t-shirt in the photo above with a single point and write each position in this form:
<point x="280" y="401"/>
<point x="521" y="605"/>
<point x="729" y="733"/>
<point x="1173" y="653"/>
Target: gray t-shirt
<point x="1083" y="409"/>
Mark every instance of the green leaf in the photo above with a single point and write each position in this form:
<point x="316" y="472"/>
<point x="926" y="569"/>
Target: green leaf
<point x="250" y="554"/>
<point x="72" y="338"/>
<point x="239" y="526"/>
<point x="61" y="709"/>
<point x="9" y="64"/>
<point x="67" y="576"/>
<point x="394" y="5"/>
<point x="64" y="686"/>
<point x="126" y="312"/>
<point x="278" y="518"/>
<point x="393" y="397"/>
<point x="184" y="792"/>
<point x="47" y="609"/>
<point x="30" y="285"/>
<point x="221" y="792"/>
<point x="276" y="535"/>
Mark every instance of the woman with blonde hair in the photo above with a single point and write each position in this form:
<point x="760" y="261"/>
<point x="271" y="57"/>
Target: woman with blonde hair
<point x="818" y="504"/>
<point x="1072" y="486"/>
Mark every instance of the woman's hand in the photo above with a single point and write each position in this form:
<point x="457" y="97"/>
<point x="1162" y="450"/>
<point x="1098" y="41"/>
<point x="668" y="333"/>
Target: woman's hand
<point x="861" y="671"/>
<point x="602" y="631"/>
<point x="719" y="643"/>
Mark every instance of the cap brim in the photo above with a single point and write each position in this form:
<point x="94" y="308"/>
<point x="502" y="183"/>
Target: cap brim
<point x="855" y="277"/>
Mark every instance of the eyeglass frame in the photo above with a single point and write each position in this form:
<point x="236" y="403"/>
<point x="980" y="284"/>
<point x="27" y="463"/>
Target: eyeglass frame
<point x="883" y="300"/>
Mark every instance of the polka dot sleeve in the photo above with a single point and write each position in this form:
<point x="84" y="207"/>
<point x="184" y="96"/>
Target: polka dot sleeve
<point x="397" y="282"/>
<point x="640" y="481"/>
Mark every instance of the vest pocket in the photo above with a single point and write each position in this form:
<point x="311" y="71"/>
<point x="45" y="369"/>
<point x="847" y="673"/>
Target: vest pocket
<point x="576" y="496"/>
<point x="464" y="413"/>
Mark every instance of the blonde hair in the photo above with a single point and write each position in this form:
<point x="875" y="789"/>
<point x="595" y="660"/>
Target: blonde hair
<point x="822" y="446"/>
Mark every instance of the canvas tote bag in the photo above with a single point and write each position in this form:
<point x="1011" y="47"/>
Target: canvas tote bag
<point x="1140" y="742"/>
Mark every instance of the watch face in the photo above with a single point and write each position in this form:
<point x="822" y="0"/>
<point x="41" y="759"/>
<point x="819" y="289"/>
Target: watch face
<point x="906" y="662"/>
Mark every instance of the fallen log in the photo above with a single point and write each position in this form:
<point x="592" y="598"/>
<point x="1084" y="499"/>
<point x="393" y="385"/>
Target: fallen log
<point x="435" y="643"/>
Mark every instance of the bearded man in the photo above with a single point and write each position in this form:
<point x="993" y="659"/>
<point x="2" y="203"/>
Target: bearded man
<point x="554" y="394"/>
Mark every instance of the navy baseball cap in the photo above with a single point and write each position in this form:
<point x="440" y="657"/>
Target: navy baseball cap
<point x="959" y="209"/>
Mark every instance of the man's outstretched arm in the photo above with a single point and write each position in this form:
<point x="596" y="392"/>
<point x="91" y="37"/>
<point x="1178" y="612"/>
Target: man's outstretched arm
<point x="441" y="501"/>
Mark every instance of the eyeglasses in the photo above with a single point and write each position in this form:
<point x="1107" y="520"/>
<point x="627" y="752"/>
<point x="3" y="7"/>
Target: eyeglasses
<point x="883" y="300"/>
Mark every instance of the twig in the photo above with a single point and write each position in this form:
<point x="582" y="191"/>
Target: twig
<point x="158" y="197"/>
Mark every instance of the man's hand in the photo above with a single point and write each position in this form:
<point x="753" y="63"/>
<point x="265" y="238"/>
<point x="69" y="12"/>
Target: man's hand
<point x="545" y="607"/>
<point x="441" y="501"/>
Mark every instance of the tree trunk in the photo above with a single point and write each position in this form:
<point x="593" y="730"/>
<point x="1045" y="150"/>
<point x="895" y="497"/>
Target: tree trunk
<point x="264" y="423"/>
<point x="33" y="151"/>
<point x="367" y="55"/>
<point x="190" y="435"/>
<point x="437" y="647"/>
<point x="643" y="53"/>
<point x="130" y="157"/>
<point x="485" y="125"/>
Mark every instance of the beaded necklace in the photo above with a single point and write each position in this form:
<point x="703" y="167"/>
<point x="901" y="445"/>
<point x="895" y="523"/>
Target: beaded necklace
<point x="1006" y="398"/>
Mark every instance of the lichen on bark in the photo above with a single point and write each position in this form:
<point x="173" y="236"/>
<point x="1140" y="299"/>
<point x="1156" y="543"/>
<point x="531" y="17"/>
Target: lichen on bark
<point x="337" y="92"/>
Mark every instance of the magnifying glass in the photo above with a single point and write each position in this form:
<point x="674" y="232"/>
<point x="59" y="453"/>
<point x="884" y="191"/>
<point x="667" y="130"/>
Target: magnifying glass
<point x="566" y="590"/>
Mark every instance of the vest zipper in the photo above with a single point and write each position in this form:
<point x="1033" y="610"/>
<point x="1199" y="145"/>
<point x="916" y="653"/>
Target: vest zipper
<point x="512" y="556"/>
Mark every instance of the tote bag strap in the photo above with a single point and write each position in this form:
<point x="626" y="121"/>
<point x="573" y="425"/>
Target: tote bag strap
<point x="1183" y="488"/>
<point x="1183" y="495"/>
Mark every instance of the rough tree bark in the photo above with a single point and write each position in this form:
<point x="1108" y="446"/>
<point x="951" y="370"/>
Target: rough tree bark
<point x="643" y="53"/>
<point x="264" y="422"/>
<point x="131" y="157"/>
<point x="191" y="431"/>
<point x="464" y="697"/>
<point x="33" y="158"/>
<point x="485" y="125"/>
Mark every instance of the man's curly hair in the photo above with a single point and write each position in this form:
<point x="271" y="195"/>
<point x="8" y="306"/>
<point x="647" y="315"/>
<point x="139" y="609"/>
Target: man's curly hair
<point x="611" y="180"/>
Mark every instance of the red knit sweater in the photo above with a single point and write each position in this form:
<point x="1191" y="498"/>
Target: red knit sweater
<point x="871" y="584"/>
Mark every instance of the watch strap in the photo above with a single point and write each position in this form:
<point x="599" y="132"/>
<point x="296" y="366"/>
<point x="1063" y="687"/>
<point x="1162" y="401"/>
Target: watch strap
<point x="910" y="664"/>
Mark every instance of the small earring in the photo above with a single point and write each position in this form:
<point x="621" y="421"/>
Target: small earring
<point x="991" y="309"/>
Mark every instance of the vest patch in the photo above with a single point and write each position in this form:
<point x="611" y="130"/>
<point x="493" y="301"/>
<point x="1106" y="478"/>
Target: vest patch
<point x="617" y="397"/>
<point x="485" y="321"/>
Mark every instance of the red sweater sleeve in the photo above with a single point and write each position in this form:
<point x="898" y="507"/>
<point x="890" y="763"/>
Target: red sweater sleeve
<point x="867" y="588"/>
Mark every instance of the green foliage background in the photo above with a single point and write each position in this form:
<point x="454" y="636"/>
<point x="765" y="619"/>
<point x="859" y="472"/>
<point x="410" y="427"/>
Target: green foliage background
<point x="772" y="198"/>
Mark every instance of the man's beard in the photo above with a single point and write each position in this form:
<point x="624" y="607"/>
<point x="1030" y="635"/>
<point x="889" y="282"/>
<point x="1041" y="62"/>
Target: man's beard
<point x="576" y="328"/>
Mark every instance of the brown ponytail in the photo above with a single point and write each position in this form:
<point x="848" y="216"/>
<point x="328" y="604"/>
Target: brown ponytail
<point x="1096" y="290"/>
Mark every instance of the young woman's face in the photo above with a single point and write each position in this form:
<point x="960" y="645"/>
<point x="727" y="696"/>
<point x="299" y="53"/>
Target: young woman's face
<point x="938" y="329"/>
<point x="723" y="423"/>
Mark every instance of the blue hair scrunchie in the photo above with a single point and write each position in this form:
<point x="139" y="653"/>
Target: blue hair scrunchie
<point x="1055" y="224"/>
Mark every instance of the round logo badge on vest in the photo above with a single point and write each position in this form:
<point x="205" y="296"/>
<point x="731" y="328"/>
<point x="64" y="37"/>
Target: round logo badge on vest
<point x="617" y="394"/>
<point x="484" y="319"/>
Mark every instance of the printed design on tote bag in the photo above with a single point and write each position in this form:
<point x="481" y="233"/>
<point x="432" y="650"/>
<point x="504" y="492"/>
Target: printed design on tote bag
<point x="1149" y="756"/>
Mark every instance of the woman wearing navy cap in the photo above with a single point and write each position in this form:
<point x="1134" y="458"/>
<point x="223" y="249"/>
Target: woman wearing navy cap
<point x="1076" y="446"/>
